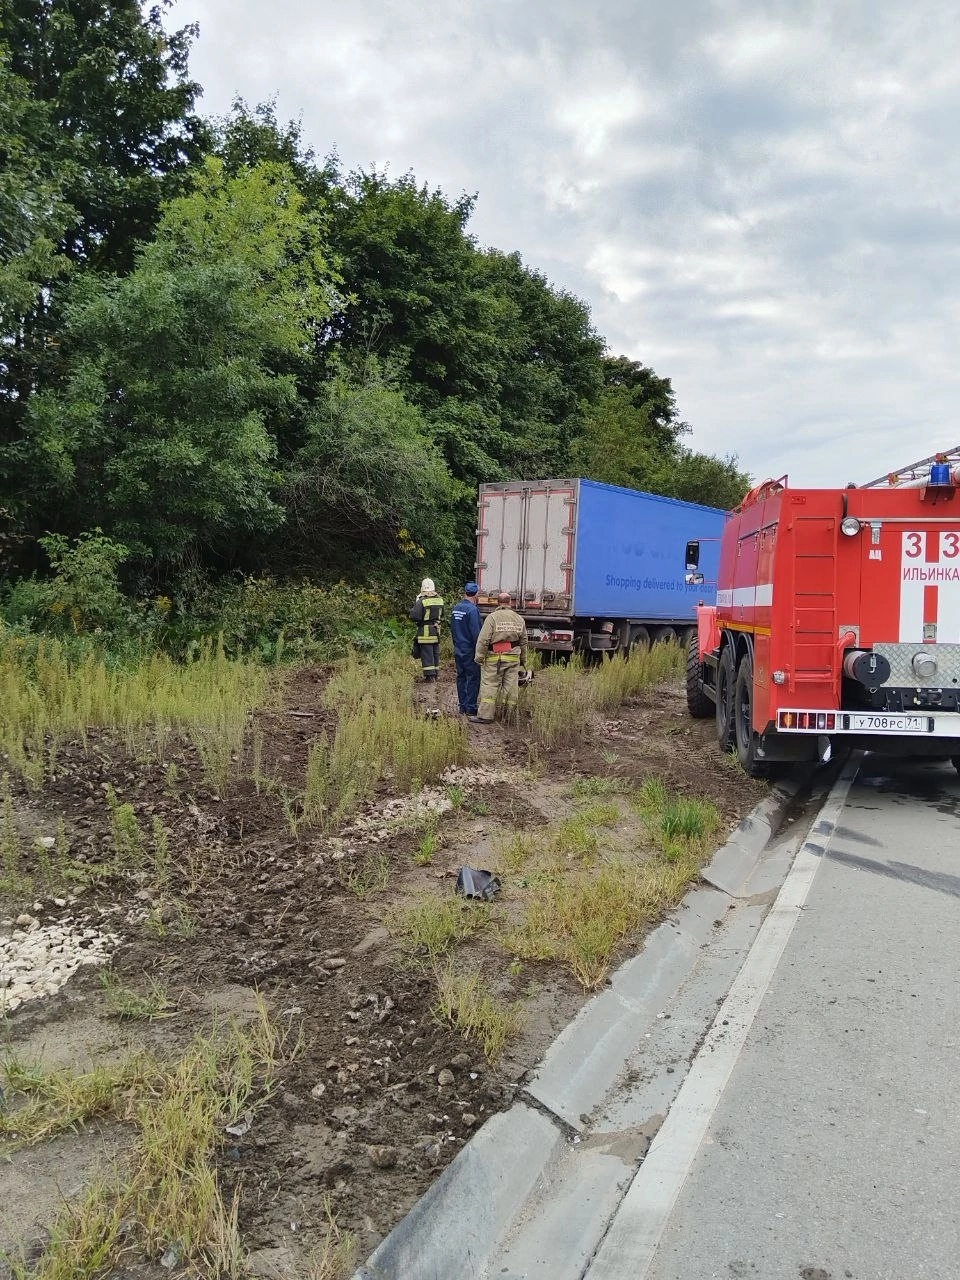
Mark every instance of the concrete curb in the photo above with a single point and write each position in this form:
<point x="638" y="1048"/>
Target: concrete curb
<point x="458" y="1225"/>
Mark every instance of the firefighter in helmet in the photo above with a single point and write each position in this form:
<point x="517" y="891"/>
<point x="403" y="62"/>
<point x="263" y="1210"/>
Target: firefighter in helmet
<point x="501" y="654"/>
<point x="427" y="613"/>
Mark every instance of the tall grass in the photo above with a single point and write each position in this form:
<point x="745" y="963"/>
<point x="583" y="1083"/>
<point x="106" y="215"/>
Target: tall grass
<point x="566" y="699"/>
<point x="563" y="704"/>
<point x="48" y="696"/>
<point x="618" y="678"/>
<point x="379" y="735"/>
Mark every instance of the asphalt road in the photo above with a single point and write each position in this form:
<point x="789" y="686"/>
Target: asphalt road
<point x="818" y="1135"/>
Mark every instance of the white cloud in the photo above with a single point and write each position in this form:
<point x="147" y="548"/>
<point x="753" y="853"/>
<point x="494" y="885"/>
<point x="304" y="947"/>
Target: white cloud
<point x="759" y="200"/>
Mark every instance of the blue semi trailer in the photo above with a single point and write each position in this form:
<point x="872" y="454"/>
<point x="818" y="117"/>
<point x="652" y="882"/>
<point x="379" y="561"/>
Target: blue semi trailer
<point x="593" y="567"/>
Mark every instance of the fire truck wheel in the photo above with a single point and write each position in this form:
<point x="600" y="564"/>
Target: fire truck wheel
<point x="746" y="739"/>
<point x="726" y="678"/>
<point x="698" y="704"/>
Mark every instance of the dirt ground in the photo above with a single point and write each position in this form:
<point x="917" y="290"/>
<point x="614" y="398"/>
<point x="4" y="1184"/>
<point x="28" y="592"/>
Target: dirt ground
<point x="362" y="1121"/>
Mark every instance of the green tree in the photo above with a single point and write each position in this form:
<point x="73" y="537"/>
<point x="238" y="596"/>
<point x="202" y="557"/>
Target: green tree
<point x="368" y="481"/>
<point x="162" y="430"/>
<point x="33" y="211"/>
<point x="115" y="87"/>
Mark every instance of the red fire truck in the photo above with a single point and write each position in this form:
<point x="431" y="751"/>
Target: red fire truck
<point x="837" y="617"/>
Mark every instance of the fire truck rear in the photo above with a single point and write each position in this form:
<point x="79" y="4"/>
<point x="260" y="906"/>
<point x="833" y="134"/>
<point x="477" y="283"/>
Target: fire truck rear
<point x="837" y="618"/>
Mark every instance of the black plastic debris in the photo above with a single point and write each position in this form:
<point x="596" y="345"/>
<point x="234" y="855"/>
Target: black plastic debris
<point x="477" y="884"/>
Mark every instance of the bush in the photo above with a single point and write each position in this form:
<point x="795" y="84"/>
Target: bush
<point x="276" y="621"/>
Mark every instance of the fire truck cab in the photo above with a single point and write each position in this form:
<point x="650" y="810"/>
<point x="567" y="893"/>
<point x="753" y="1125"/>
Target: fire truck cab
<point x="837" y="617"/>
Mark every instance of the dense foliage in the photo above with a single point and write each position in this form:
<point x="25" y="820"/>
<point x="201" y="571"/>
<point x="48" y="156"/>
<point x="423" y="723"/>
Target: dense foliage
<point x="221" y="354"/>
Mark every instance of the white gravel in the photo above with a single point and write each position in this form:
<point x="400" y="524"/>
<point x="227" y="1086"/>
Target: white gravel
<point x="375" y="823"/>
<point x="37" y="959"/>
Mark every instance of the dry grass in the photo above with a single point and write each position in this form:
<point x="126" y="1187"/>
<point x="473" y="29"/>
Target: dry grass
<point x="432" y="924"/>
<point x="465" y="1002"/>
<point x="167" y="1199"/>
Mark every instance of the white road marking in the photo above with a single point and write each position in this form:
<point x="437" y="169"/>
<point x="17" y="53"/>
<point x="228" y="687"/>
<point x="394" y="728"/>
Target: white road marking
<point x="630" y="1245"/>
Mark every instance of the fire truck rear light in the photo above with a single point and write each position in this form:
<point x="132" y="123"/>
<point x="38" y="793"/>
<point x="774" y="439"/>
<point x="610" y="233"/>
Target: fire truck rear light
<point x="821" y="721"/>
<point x="850" y="525"/>
<point x="831" y="722"/>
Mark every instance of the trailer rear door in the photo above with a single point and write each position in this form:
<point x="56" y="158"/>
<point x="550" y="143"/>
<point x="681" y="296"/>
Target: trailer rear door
<point x="526" y="540"/>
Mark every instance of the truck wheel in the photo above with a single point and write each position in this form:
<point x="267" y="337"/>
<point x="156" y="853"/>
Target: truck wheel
<point x="726" y="678"/>
<point x="639" y="639"/>
<point x="746" y="739"/>
<point x="665" y="635"/>
<point x="698" y="704"/>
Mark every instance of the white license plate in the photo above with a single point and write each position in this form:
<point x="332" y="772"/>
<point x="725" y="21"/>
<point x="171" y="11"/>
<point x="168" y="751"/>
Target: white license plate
<point x="862" y="723"/>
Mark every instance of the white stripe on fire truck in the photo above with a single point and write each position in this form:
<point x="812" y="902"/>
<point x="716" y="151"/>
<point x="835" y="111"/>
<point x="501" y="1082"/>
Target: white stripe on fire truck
<point x="746" y="597"/>
<point x="927" y="571"/>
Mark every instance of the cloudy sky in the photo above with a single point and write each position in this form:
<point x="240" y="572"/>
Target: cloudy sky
<point x="761" y="201"/>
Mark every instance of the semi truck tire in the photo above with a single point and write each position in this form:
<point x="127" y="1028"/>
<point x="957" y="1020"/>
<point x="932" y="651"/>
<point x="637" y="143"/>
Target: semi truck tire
<point x="664" y="635"/>
<point x="698" y="704"/>
<point x="639" y="639"/>
<point x="726" y="679"/>
<point x="745" y="737"/>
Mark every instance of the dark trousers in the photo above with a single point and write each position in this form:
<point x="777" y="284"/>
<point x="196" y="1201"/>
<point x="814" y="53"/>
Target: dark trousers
<point x="468" y="684"/>
<point x="430" y="660"/>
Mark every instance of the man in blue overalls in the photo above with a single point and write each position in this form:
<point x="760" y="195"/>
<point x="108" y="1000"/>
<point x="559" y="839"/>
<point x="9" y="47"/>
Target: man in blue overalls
<point x="465" y="623"/>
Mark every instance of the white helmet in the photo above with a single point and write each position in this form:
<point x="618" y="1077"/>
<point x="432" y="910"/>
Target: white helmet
<point x="426" y="587"/>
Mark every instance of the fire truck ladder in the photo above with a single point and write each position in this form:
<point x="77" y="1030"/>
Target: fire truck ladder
<point x="917" y="471"/>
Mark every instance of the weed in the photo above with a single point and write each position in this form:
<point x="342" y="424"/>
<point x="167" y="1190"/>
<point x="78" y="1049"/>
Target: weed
<point x="127" y="836"/>
<point x="60" y="1100"/>
<point x="368" y="875"/>
<point x="335" y="1256"/>
<point x="427" y="849"/>
<point x="480" y="808"/>
<point x="12" y="879"/>
<point x="582" y="788"/>
<point x="687" y="822"/>
<point x="599" y="815"/>
<point x="169" y="1194"/>
<point x="48" y="693"/>
<point x="581" y="918"/>
<point x="466" y="1004"/>
<point x="574" y="838"/>
<point x="562" y="705"/>
<point x="128" y="1005"/>
<point x="170" y="917"/>
<point x="431" y="925"/>
<point x="456" y="796"/>
<point x="256" y="760"/>
<point x="517" y="852"/>
<point x="619" y="678"/>
<point x="378" y="733"/>
<point x="652" y="796"/>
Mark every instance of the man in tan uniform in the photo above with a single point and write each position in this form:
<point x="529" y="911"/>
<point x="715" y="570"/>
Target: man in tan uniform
<point x="501" y="652"/>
